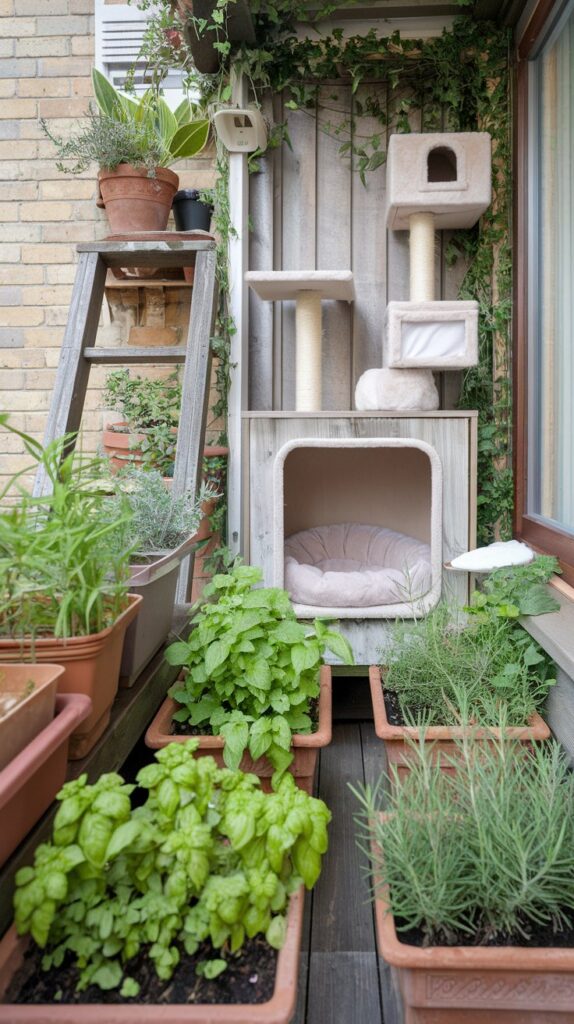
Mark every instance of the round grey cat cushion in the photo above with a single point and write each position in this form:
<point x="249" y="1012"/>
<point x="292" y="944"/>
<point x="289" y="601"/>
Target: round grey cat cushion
<point x="355" y="565"/>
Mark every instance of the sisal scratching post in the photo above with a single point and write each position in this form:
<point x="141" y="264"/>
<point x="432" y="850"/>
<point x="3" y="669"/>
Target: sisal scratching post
<point x="308" y="351"/>
<point x="421" y="227"/>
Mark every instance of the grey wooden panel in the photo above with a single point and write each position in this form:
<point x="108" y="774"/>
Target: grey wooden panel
<point x="392" y="1001"/>
<point x="334" y="242"/>
<point x="339" y="923"/>
<point x="344" y="989"/>
<point x="299" y="236"/>
<point x="261" y="246"/>
<point x="452" y="278"/>
<point x="73" y="369"/>
<point x="369" y="253"/>
<point x="135" y="355"/>
<point x="398" y="241"/>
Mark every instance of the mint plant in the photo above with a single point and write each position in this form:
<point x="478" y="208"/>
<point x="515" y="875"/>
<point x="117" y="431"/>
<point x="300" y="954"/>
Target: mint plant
<point x="517" y="590"/>
<point x="208" y="856"/>
<point x="251" y="670"/>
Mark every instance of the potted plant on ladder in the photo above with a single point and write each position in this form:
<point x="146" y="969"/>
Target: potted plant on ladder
<point x="133" y="141"/>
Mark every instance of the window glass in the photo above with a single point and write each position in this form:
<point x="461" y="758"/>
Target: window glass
<point x="551" y="344"/>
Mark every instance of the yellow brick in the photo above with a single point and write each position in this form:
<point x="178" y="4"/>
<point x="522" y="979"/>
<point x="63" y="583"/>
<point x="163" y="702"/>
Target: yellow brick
<point x="14" y="463"/>
<point x="69" y="188"/>
<point x="28" y="401"/>
<point x="21" y="232"/>
<point x="43" y="46"/>
<point x="18" y="108"/>
<point x="57" y="316"/>
<point x="21" y="316"/>
<point x="19" y="189"/>
<point x="16" y="358"/>
<point x="46" y="211"/>
<point x="82" y="46"/>
<point x="34" y="423"/>
<point x="61" y="275"/>
<point x="47" y="253"/>
<point x="16" y="148"/>
<point x="7" y="87"/>
<point x="6" y="8"/>
<point x="39" y="379"/>
<point x="9" y="381"/>
<point x="15" y="28"/>
<point x="52" y="356"/>
<point x="43" y="337"/>
<point x="21" y="275"/>
<point x="51" y="87"/>
<point x="9" y="253"/>
<point x="8" y="211"/>
<point x="55" y="68"/>
<point x="69" y="233"/>
<point x="62" y="108"/>
<point x="46" y="296"/>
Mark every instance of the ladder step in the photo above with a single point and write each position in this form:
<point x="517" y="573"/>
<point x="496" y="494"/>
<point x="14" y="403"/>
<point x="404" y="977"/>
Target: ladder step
<point x="147" y="354"/>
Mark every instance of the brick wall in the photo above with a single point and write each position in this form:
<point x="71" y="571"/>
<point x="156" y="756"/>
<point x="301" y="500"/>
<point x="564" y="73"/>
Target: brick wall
<point x="46" y="55"/>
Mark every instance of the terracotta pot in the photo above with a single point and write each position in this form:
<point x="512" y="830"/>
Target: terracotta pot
<point x="92" y="667"/>
<point x="156" y="583"/>
<point x="31" y="780"/>
<point x="442" y="737"/>
<point x="305" y="747"/>
<point x="33" y="713"/>
<point x="277" y="1010"/>
<point x="134" y="202"/>
<point x="477" y="984"/>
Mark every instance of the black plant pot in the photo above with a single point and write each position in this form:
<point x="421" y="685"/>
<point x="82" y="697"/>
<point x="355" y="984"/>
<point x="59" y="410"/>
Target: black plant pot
<point x="189" y="212"/>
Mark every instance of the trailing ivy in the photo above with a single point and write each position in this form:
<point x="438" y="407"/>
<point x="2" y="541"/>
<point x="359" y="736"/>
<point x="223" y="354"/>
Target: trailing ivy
<point x="458" y="81"/>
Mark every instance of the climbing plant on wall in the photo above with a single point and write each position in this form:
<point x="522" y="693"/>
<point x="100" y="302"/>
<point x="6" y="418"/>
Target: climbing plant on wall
<point x="458" y="81"/>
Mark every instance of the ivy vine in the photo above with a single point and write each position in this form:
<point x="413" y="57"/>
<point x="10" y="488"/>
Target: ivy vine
<point x="458" y="81"/>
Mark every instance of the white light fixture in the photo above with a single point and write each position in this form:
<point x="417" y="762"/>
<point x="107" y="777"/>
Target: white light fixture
<point x="241" y="131"/>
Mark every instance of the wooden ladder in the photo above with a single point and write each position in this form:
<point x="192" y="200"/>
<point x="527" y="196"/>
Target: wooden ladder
<point x="79" y="352"/>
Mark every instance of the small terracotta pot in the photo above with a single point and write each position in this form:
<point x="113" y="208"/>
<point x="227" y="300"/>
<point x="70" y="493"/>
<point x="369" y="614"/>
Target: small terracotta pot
<point x="442" y="737"/>
<point x="92" y="667"/>
<point x="31" y="780"/>
<point x="134" y="202"/>
<point x="477" y="984"/>
<point x="33" y="713"/>
<point x="277" y="1010"/>
<point x="305" y="747"/>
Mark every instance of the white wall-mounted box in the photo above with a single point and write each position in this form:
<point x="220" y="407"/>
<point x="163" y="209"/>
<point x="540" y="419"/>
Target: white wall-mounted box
<point x="445" y="173"/>
<point x="434" y="335"/>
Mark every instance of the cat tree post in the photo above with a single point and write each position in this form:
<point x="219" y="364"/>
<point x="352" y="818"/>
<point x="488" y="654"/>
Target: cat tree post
<point x="421" y="252"/>
<point x="307" y="288"/>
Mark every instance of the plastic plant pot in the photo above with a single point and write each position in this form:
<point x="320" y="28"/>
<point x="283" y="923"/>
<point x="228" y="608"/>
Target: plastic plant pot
<point x="442" y="737"/>
<point x="476" y="984"/>
<point x="277" y="1010"/>
<point x="31" y="780"/>
<point x="305" y="746"/>
<point x="189" y="213"/>
<point x="92" y="667"/>
<point x="156" y="583"/>
<point x="31" y="713"/>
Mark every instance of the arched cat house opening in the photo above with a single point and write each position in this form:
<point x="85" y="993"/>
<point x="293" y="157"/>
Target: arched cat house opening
<point x="358" y="526"/>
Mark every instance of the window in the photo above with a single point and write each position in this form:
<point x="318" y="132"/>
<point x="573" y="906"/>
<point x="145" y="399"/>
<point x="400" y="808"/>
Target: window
<point x="545" y="291"/>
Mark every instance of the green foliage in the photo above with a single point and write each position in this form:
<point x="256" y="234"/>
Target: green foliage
<point x="159" y="519"/>
<point x="483" y="853"/>
<point x="518" y="590"/>
<point x="149" y="406"/>
<point x="208" y="856"/>
<point x="60" y="575"/>
<point x="251" y="670"/>
<point x="445" y="670"/>
<point x="108" y="143"/>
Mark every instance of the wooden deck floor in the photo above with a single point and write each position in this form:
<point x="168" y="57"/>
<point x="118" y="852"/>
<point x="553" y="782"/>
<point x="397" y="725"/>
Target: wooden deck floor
<point x="340" y="976"/>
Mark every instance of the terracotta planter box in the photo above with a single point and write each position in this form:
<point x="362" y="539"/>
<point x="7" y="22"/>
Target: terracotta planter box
<point x="442" y="737"/>
<point x="156" y="583"/>
<point x="277" y="1010"/>
<point x="92" y="667"/>
<point x="32" y="713"/>
<point x="305" y="747"/>
<point x="477" y="984"/>
<point x="31" y="780"/>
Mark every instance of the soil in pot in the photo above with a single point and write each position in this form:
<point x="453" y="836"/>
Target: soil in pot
<point x="249" y="978"/>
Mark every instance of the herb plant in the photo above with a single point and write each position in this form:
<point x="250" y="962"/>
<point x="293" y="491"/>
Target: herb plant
<point x="518" y="590"/>
<point x="149" y="407"/>
<point x="61" y="575"/>
<point x="484" y="853"/>
<point x="443" y="667"/>
<point x="208" y="856"/>
<point x="251" y="670"/>
<point x="107" y="143"/>
<point x="160" y="520"/>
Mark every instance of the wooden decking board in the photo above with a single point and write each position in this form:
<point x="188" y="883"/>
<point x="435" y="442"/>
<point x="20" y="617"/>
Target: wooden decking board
<point x="343" y="989"/>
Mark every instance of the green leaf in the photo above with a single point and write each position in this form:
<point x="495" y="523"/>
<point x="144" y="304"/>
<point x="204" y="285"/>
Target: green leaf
<point x="236" y="735"/>
<point x="177" y="653"/>
<point x="305" y="656"/>
<point x="107" y="98"/>
<point x="289" y="632"/>
<point x="259" y="675"/>
<point x="189" y="140"/>
<point x="339" y="647"/>
<point x="276" y="932"/>
<point x="107" y="976"/>
<point x="130" y="988"/>
<point x="215" y="655"/>
<point x="210" y="968"/>
<point x="123" y="836"/>
<point x="281" y="732"/>
<point x="260" y="738"/>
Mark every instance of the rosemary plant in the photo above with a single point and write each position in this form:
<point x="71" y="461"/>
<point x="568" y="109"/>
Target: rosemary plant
<point x="159" y="520"/>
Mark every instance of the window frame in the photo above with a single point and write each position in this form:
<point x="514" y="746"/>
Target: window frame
<point x="544" y="537"/>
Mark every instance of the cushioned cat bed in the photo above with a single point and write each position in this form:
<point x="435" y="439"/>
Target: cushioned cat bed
<point x="354" y="565"/>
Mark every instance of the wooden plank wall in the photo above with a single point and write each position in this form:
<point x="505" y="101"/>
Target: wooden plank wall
<point x="310" y="211"/>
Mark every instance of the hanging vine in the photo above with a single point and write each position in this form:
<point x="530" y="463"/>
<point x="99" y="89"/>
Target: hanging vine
<point x="458" y="81"/>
